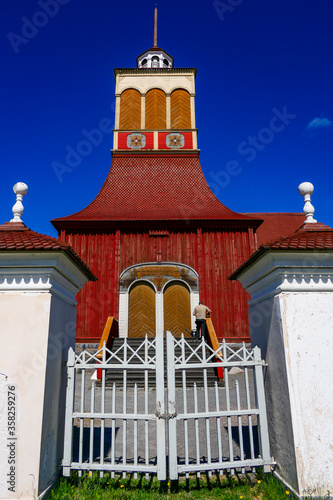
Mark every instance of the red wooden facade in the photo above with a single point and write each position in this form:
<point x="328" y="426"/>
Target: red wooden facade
<point x="214" y="252"/>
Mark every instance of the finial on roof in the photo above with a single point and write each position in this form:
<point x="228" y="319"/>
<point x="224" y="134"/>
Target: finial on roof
<point x="155" y="25"/>
<point x="20" y="189"/>
<point x="306" y="189"/>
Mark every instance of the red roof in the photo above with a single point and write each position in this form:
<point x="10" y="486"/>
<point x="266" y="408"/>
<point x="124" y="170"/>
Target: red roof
<point x="150" y="187"/>
<point x="277" y="225"/>
<point x="16" y="236"/>
<point x="311" y="236"/>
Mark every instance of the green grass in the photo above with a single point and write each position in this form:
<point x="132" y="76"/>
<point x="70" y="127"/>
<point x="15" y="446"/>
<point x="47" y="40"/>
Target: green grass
<point x="245" y="487"/>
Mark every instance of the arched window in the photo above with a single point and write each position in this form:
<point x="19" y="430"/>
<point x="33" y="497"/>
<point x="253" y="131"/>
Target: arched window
<point x="144" y="63"/>
<point x="166" y="62"/>
<point x="130" y="110"/>
<point x="180" y="109"/>
<point x="155" y="62"/>
<point x="155" y="110"/>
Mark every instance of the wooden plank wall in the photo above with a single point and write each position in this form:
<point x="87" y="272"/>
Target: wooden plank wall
<point x="213" y="254"/>
<point x="141" y="317"/>
<point x="155" y="110"/>
<point x="130" y="110"/>
<point x="177" y="310"/>
<point x="180" y="109"/>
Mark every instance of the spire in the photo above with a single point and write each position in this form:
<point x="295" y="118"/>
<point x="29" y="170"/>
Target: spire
<point x="155" y="25"/>
<point x="155" y="57"/>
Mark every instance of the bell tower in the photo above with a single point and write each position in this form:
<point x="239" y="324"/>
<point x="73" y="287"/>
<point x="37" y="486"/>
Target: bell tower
<point x="155" y="108"/>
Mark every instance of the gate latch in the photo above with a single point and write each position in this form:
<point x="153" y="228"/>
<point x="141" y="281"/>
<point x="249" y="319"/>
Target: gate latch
<point x="164" y="416"/>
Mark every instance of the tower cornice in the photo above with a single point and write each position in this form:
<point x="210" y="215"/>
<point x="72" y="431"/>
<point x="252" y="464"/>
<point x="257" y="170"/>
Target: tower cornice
<point x="154" y="71"/>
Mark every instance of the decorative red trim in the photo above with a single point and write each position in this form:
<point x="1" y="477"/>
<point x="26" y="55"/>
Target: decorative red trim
<point x="188" y="142"/>
<point x="122" y="140"/>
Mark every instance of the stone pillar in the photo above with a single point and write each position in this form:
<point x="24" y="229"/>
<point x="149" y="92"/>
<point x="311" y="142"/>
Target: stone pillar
<point x="291" y="320"/>
<point x="38" y="323"/>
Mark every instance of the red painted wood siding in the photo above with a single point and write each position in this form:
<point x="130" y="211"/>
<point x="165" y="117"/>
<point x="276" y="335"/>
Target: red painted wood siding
<point x="213" y="254"/>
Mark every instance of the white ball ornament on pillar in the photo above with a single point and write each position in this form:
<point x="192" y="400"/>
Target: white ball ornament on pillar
<point x="20" y="189"/>
<point x="306" y="189"/>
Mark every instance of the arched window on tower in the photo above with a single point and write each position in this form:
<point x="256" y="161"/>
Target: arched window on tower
<point x="155" y="110"/>
<point x="180" y="109"/>
<point x="144" y="63"/>
<point x="166" y="62"/>
<point x="130" y="110"/>
<point x="155" y="62"/>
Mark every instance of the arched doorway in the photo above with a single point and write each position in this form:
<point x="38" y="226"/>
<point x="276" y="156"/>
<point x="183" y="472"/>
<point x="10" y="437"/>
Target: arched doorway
<point x="164" y="300"/>
<point x="177" y="309"/>
<point x="141" y="310"/>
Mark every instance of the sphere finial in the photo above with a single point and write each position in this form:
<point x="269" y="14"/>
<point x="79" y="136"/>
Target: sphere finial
<point x="20" y="189"/>
<point x="306" y="189"/>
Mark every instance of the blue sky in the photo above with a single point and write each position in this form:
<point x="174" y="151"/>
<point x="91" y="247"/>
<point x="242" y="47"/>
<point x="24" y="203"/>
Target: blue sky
<point x="264" y="103"/>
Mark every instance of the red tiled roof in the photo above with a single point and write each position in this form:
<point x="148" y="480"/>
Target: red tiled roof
<point x="18" y="237"/>
<point x="311" y="236"/>
<point x="144" y="187"/>
<point x="276" y="225"/>
<point x="315" y="237"/>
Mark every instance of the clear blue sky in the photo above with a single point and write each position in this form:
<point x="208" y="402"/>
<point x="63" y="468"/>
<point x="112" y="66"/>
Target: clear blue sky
<point x="256" y="59"/>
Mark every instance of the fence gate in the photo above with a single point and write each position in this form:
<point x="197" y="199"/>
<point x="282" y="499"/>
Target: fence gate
<point x="136" y="420"/>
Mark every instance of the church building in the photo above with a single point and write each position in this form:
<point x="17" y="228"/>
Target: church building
<point x="156" y="237"/>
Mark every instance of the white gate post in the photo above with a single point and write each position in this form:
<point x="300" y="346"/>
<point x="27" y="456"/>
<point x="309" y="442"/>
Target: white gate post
<point x="160" y="408"/>
<point x="262" y="419"/>
<point x="172" y="430"/>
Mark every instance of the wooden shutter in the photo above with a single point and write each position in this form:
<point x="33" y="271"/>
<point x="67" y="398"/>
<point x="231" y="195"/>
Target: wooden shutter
<point x="180" y="109"/>
<point x="177" y="310"/>
<point x="130" y="110"/>
<point x="155" y="110"/>
<point x="141" y="312"/>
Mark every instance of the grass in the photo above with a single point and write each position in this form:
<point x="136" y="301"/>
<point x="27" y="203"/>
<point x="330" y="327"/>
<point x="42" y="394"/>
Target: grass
<point x="227" y="487"/>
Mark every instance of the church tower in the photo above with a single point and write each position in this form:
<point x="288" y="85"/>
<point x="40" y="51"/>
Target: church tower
<point x="156" y="236"/>
<point x="155" y="105"/>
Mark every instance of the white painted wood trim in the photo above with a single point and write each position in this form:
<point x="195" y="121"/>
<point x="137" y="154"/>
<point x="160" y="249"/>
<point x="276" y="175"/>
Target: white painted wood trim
<point x="192" y="111"/>
<point x="123" y="314"/>
<point x="168" y="111"/>
<point x="117" y="114"/>
<point x="143" y="111"/>
<point x="159" y="313"/>
<point x="194" y="302"/>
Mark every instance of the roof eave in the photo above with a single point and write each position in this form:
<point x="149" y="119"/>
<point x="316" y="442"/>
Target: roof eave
<point x="66" y="223"/>
<point x="264" y="249"/>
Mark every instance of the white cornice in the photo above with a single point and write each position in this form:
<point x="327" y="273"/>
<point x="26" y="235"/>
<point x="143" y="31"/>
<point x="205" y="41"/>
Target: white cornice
<point x="276" y="272"/>
<point x="37" y="272"/>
